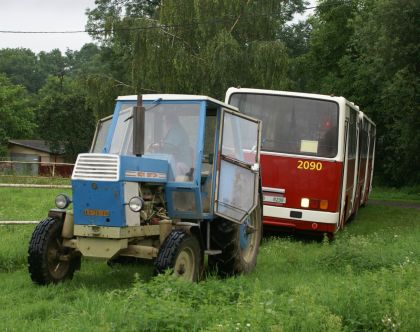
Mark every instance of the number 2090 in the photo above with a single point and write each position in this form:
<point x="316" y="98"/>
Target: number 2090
<point x="309" y="165"/>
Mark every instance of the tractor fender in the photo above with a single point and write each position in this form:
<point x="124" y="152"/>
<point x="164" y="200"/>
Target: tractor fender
<point x="57" y="214"/>
<point x="192" y="229"/>
<point x="67" y="218"/>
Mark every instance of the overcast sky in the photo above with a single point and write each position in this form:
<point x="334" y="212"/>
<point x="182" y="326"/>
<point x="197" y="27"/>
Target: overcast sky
<point x="47" y="15"/>
<point x="44" y="15"/>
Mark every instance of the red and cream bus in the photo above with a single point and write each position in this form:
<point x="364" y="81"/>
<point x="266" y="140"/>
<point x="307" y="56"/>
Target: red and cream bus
<point x="317" y="157"/>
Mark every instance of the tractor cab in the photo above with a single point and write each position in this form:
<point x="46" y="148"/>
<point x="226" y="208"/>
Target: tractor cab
<point x="164" y="172"/>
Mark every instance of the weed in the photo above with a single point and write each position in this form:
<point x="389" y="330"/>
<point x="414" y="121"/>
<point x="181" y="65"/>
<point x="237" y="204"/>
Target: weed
<point x="364" y="280"/>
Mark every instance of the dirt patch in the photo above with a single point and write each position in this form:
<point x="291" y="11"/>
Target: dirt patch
<point x="408" y="205"/>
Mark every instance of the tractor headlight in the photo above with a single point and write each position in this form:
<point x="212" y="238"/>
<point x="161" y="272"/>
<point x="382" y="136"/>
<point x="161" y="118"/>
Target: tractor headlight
<point x="62" y="201"/>
<point x="135" y="204"/>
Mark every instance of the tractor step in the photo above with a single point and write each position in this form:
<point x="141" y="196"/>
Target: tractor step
<point x="212" y="252"/>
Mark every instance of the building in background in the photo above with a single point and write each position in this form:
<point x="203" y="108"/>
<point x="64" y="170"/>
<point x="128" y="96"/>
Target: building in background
<point x="35" y="158"/>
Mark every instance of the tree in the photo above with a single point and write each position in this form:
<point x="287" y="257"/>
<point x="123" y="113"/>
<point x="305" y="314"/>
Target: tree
<point x="368" y="52"/>
<point x="52" y="64"/>
<point x="21" y="67"/>
<point x="330" y="41"/>
<point x="195" y="46"/>
<point x="64" y="117"/>
<point x="16" y="116"/>
<point x="387" y="81"/>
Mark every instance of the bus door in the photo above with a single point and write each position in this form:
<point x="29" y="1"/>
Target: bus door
<point x="344" y="203"/>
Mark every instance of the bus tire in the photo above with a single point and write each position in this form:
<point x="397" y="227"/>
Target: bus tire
<point x="48" y="261"/>
<point x="239" y="249"/>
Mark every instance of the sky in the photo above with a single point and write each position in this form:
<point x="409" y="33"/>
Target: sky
<point x="49" y="15"/>
<point x="44" y="15"/>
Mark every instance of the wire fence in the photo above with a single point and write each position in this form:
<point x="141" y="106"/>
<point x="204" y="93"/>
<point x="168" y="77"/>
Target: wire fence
<point x="18" y="222"/>
<point x="35" y="169"/>
<point x="32" y="174"/>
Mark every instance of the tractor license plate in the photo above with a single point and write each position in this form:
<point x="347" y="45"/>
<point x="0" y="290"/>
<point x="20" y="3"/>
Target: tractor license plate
<point x="274" y="199"/>
<point x="96" y="213"/>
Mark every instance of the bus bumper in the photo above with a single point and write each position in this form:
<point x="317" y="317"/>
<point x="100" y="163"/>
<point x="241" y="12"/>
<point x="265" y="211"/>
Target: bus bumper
<point x="301" y="219"/>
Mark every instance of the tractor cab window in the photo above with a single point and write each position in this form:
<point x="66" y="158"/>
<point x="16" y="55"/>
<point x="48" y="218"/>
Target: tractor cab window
<point x="101" y="134"/>
<point x="171" y="133"/>
<point x="122" y="140"/>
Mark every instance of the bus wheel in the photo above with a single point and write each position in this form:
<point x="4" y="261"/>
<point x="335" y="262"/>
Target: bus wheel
<point x="48" y="261"/>
<point x="182" y="253"/>
<point x="239" y="244"/>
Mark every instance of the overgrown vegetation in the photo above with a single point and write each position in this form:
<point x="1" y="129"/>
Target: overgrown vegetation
<point x="364" y="280"/>
<point x="27" y="203"/>
<point x="389" y="193"/>
<point x="364" y="50"/>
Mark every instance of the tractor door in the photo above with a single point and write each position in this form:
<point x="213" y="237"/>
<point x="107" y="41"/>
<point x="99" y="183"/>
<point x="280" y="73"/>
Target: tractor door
<point x="237" y="166"/>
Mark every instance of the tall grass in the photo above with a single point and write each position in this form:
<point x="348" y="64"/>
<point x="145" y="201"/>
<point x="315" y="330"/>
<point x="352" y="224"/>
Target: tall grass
<point x="34" y="180"/>
<point x="27" y="203"/>
<point x="364" y="280"/>
<point x="411" y="194"/>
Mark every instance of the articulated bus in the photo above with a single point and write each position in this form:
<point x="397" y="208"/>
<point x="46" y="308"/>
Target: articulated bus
<point x="317" y="157"/>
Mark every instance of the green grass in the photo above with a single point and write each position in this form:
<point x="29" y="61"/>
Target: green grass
<point x="27" y="203"/>
<point x="367" y="279"/>
<point x="33" y="180"/>
<point x="410" y="194"/>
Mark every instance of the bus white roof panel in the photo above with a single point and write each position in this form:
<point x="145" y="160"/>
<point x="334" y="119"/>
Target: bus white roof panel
<point x="286" y="93"/>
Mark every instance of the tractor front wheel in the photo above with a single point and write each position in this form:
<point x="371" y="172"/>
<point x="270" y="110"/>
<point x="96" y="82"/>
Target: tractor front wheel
<point x="48" y="260"/>
<point x="182" y="253"/>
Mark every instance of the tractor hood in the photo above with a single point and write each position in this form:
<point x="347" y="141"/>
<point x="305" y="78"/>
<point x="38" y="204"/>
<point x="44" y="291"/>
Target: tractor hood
<point x="103" y="185"/>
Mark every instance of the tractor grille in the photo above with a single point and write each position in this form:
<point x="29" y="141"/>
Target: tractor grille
<point x="96" y="166"/>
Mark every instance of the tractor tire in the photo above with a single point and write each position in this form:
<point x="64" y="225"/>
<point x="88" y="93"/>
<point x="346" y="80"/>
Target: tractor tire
<point x="239" y="249"/>
<point x="182" y="253"/>
<point x="46" y="263"/>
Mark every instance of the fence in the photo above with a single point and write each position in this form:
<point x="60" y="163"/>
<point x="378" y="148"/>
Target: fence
<point x="27" y="171"/>
<point x="35" y="169"/>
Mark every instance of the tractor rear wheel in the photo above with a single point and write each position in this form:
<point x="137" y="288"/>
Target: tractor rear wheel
<point x="48" y="261"/>
<point x="239" y="244"/>
<point x="182" y="253"/>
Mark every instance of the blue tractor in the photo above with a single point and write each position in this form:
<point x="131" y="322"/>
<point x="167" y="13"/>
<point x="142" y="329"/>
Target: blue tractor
<point x="169" y="178"/>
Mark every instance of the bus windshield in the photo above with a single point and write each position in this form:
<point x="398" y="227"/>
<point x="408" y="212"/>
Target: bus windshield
<point x="293" y="125"/>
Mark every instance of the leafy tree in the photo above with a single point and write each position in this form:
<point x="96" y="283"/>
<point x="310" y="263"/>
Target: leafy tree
<point x="52" y="63"/>
<point x="195" y="46"/>
<point x="368" y="52"/>
<point x="64" y="117"/>
<point x="329" y="43"/>
<point x="387" y="81"/>
<point x="16" y="116"/>
<point x="21" y="67"/>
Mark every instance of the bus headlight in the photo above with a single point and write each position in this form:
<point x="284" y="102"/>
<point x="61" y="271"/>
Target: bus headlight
<point x="135" y="204"/>
<point x="62" y="201"/>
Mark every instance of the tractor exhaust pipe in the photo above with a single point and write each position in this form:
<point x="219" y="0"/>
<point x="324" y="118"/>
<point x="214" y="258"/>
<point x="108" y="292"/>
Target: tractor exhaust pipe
<point x="138" y="127"/>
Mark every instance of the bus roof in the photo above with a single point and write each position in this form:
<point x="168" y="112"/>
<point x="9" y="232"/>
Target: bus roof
<point x="365" y="117"/>
<point x="290" y="93"/>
